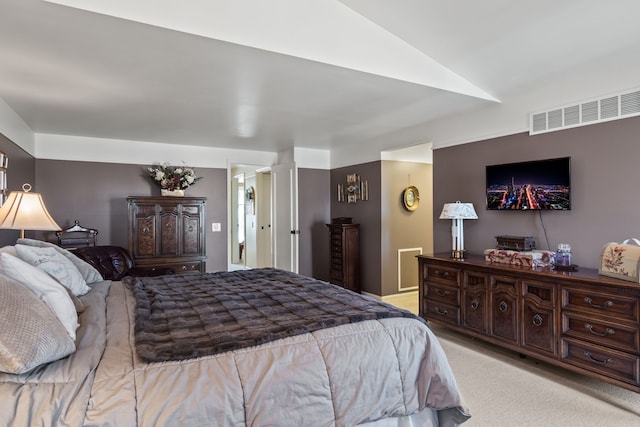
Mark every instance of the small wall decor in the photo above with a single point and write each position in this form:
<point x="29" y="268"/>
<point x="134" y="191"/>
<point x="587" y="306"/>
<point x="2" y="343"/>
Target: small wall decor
<point x="355" y="189"/>
<point x="411" y="198"/>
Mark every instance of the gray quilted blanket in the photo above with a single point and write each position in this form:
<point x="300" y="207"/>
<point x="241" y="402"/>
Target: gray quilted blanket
<point x="191" y="315"/>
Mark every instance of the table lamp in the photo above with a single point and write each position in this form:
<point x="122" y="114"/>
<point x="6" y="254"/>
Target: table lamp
<point x="25" y="211"/>
<point x="457" y="212"/>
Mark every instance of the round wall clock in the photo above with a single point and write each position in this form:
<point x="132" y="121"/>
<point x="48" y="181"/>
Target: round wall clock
<point x="411" y="198"/>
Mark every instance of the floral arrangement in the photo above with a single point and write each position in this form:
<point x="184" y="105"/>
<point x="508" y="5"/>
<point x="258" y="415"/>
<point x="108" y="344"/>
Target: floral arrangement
<point x="173" y="177"/>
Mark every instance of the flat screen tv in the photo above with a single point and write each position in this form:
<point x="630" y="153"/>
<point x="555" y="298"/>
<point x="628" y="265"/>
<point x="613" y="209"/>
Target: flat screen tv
<point x="532" y="185"/>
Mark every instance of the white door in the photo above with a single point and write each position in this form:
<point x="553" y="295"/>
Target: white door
<point x="284" y="180"/>
<point x="263" y="207"/>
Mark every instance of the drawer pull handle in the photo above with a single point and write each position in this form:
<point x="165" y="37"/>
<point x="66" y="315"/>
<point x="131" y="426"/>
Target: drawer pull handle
<point x="603" y="306"/>
<point x="442" y="293"/>
<point x="537" y="320"/>
<point x="475" y="304"/>
<point x="503" y="306"/>
<point x="145" y="230"/>
<point x="441" y="311"/>
<point x="606" y="332"/>
<point x="599" y="362"/>
<point x="444" y="274"/>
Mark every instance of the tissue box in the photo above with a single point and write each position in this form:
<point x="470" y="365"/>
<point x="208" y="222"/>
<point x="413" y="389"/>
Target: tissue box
<point x="537" y="258"/>
<point x="620" y="260"/>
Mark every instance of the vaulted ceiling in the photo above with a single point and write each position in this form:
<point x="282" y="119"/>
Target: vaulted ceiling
<point x="271" y="74"/>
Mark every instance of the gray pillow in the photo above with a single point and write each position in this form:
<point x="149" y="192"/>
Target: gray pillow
<point x="11" y="250"/>
<point x="56" y="265"/>
<point x="44" y="287"/>
<point x="31" y="334"/>
<point x="89" y="272"/>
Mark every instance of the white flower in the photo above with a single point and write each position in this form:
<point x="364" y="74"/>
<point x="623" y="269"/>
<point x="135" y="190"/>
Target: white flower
<point x="172" y="177"/>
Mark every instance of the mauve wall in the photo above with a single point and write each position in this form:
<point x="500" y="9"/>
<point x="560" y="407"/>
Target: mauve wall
<point x="313" y="214"/>
<point x="604" y="184"/>
<point x="368" y="215"/>
<point x="95" y="194"/>
<point x="21" y="170"/>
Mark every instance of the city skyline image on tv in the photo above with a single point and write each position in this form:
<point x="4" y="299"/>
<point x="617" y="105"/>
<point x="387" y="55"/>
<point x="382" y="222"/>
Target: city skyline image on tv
<point x="532" y="185"/>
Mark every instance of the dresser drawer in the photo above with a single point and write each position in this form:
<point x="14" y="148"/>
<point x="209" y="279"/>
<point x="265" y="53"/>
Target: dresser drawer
<point x="601" y="304"/>
<point x="611" y="363"/>
<point x="444" y="275"/>
<point x="178" y="267"/>
<point x="443" y="293"/>
<point x="619" y="336"/>
<point x="442" y="312"/>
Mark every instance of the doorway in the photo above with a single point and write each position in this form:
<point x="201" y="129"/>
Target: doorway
<point x="250" y="212"/>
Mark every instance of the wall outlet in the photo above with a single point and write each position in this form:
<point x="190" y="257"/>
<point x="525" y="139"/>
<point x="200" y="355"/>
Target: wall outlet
<point x="215" y="226"/>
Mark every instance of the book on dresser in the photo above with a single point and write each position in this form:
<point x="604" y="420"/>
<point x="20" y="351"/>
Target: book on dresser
<point x="578" y="320"/>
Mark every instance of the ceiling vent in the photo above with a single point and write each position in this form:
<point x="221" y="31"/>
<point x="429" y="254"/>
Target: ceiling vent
<point x="585" y="113"/>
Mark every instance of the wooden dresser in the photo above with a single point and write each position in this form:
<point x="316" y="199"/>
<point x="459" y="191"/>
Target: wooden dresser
<point x="344" y="269"/>
<point x="167" y="232"/>
<point x="581" y="320"/>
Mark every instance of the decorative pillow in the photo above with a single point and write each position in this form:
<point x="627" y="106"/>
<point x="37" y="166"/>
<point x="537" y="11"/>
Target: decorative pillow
<point x="57" y="265"/>
<point x="44" y="287"/>
<point x="89" y="272"/>
<point x="31" y="335"/>
<point x="11" y="250"/>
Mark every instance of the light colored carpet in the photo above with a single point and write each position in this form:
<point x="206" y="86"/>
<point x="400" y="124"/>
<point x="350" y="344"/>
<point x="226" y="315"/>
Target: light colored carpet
<point x="502" y="389"/>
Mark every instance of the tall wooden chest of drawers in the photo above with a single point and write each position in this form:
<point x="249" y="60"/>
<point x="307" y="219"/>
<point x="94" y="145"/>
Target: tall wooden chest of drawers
<point x="167" y="232"/>
<point x="344" y="269"/>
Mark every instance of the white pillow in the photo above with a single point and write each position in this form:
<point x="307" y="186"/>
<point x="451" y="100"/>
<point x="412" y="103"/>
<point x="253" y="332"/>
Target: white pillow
<point x="89" y="272"/>
<point x="56" y="264"/>
<point x="31" y="335"/>
<point x="44" y="287"/>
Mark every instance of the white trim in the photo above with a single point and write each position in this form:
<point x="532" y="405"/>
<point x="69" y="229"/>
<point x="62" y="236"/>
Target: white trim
<point x="80" y="148"/>
<point x="390" y="298"/>
<point x="400" y="251"/>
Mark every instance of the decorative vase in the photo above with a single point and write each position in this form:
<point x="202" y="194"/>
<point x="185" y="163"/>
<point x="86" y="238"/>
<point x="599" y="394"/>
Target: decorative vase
<point x="172" y="193"/>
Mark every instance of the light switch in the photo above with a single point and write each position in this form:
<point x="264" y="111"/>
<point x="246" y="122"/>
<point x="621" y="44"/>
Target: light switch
<point x="215" y="226"/>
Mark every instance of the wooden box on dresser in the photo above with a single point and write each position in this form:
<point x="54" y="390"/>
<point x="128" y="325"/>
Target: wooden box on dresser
<point x="579" y="320"/>
<point x="167" y="232"/>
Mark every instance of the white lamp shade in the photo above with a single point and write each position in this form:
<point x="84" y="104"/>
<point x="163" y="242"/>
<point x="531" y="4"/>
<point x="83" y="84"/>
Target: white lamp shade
<point x="26" y="211"/>
<point x="458" y="210"/>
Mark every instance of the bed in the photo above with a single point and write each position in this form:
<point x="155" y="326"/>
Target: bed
<point x="134" y="362"/>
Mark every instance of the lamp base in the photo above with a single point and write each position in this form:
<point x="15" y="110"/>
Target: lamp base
<point x="458" y="254"/>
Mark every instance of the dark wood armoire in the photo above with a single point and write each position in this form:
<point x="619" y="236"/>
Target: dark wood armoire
<point x="167" y="232"/>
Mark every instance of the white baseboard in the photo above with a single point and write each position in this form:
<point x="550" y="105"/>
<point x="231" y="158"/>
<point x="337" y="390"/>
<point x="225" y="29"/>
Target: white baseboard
<point x="391" y="298"/>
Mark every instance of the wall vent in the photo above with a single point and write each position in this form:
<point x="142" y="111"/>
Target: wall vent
<point x="614" y="107"/>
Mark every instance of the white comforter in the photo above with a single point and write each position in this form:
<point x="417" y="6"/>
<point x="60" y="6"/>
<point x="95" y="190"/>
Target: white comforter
<point x="341" y="376"/>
